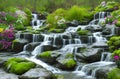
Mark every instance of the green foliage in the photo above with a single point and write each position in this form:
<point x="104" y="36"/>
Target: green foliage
<point x="11" y="9"/>
<point x="77" y="13"/>
<point x="118" y="24"/>
<point x="109" y="6"/>
<point x="45" y="54"/>
<point x="82" y="32"/>
<point x="4" y="26"/>
<point x="114" y="43"/>
<point x="19" y="27"/>
<point x="56" y="18"/>
<point x="114" y="74"/>
<point x="18" y="65"/>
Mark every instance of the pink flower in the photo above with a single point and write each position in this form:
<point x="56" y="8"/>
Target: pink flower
<point x="116" y="57"/>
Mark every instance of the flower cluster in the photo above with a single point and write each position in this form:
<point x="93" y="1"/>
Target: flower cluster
<point x="116" y="57"/>
<point x="110" y="20"/>
<point x="6" y="38"/>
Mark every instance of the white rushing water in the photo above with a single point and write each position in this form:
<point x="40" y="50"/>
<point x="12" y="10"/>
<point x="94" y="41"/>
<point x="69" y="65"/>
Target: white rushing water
<point x="36" y="23"/>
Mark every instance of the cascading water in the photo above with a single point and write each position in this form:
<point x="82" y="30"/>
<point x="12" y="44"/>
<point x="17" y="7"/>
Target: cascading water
<point x="36" y="23"/>
<point x="70" y="44"/>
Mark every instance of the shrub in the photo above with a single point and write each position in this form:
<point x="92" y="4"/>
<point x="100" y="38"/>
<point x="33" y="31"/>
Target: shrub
<point x="116" y="57"/>
<point x="77" y="13"/>
<point x="109" y="6"/>
<point x="114" y="74"/>
<point x="6" y="38"/>
<point x="114" y="43"/>
<point x="117" y="23"/>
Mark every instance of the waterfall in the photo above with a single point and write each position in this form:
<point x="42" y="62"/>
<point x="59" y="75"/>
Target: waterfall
<point x="35" y="37"/>
<point x="43" y="64"/>
<point x="36" y="23"/>
<point x="106" y="56"/>
<point x="99" y="38"/>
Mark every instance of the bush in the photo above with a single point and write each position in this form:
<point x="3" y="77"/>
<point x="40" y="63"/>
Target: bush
<point x="109" y="6"/>
<point x="18" y="65"/>
<point x="79" y="14"/>
<point x="114" y="43"/>
<point x="114" y="74"/>
<point x="117" y="23"/>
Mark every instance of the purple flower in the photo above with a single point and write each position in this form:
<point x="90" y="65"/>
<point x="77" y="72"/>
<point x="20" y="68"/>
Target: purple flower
<point x="116" y="57"/>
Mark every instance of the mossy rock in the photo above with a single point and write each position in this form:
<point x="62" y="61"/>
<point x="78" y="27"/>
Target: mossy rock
<point x="18" y="65"/>
<point x="46" y="54"/>
<point x="114" y="74"/>
<point x="83" y="32"/>
<point x="69" y="63"/>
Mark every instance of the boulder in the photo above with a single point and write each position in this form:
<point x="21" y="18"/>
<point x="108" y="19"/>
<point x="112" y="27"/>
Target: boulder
<point x="18" y="45"/>
<point x="89" y="55"/>
<point x="66" y="61"/>
<point x="103" y="72"/>
<point x="37" y="73"/>
<point x="26" y="36"/>
<point x="31" y="46"/>
<point x="4" y="75"/>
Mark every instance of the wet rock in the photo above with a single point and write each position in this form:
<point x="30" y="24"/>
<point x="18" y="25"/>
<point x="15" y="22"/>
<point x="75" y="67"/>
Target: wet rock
<point x="117" y="30"/>
<point x="106" y="31"/>
<point x="94" y="28"/>
<point x="4" y="75"/>
<point x="100" y="45"/>
<point x="31" y="46"/>
<point x="37" y="73"/>
<point x="48" y="48"/>
<point x="72" y="23"/>
<point x="49" y="56"/>
<point x="66" y="61"/>
<point x="84" y="39"/>
<point x="37" y="38"/>
<point x="26" y="36"/>
<point x="18" y="45"/>
<point x="89" y="55"/>
<point x="102" y="72"/>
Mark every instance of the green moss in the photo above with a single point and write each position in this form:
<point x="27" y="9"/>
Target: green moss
<point x="46" y="54"/>
<point x="83" y="32"/>
<point x="69" y="55"/>
<point x="114" y="74"/>
<point x="22" y="67"/>
<point x="18" y="65"/>
<point x="69" y="63"/>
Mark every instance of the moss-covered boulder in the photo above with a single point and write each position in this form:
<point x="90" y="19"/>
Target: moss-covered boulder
<point x="66" y="62"/>
<point x="114" y="74"/>
<point x="18" y="65"/>
<point x="49" y="56"/>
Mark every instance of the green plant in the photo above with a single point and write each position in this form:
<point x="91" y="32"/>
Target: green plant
<point x="116" y="57"/>
<point x="77" y="13"/>
<point x="117" y="23"/>
<point x="114" y="74"/>
<point x="114" y="43"/>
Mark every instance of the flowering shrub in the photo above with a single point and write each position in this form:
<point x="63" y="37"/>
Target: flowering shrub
<point x="116" y="57"/>
<point x="6" y="38"/>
